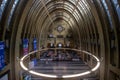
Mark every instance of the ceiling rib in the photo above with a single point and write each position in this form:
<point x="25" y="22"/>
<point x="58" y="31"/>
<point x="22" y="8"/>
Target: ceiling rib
<point x="47" y="12"/>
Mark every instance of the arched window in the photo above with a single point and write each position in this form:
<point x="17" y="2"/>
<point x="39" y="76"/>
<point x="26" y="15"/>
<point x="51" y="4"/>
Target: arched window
<point x="117" y="7"/>
<point x="12" y="11"/>
<point x="108" y="13"/>
<point x="60" y="45"/>
<point x="2" y="7"/>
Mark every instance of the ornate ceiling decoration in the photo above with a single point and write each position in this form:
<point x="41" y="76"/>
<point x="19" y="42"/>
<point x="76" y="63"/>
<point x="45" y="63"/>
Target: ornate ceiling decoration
<point x="60" y="28"/>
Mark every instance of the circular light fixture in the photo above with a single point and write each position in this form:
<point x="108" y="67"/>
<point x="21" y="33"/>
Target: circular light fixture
<point x="63" y="76"/>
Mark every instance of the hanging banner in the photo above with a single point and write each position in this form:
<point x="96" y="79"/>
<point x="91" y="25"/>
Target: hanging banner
<point x="34" y="44"/>
<point x="35" y="48"/>
<point x="25" y="46"/>
<point x="2" y="55"/>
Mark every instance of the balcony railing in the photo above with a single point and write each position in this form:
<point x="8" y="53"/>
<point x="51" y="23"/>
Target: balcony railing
<point x="95" y="63"/>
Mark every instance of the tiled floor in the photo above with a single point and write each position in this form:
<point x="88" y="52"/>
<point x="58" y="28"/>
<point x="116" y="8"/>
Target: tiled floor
<point x="60" y="68"/>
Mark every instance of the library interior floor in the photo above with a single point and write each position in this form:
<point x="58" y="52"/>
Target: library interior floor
<point x="59" y="39"/>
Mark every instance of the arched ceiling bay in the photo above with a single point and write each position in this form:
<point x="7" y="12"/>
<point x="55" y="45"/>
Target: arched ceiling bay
<point x="43" y="14"/>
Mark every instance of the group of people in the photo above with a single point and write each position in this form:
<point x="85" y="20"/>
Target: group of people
<point x="59" y="55"/>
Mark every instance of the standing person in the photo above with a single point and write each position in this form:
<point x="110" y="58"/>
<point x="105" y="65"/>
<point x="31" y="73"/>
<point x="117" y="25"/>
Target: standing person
<point x="59" y="56"/>
<point x="42" y="47"/>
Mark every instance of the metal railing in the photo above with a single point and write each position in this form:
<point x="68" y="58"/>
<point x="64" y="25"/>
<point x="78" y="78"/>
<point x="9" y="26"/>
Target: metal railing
<point x="95" y="61"/>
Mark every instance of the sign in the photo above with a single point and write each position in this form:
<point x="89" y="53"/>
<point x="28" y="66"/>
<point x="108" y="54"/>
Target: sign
<point x="25" y="46"/>
<point x="34" y="44"/>
<point x="2" y="55"/>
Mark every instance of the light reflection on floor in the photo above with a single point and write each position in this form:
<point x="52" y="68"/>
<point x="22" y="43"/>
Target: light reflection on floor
<point x="61" y="67"/>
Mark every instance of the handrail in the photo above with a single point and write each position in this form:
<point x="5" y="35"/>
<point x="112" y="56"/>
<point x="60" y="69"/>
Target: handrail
<point x="56" y="76"/>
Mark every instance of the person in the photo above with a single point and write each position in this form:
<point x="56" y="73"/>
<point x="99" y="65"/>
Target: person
<point x="68" y="56"/>
<point x="63" y="56"/>
<point x="42" y="47"/>
<point x="59" y="56"/>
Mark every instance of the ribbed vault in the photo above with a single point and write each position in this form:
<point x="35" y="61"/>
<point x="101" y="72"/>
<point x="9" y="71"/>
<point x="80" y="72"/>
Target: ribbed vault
<point x="93" y="24"/>
<point x="43" y="14"/>
<point x="42" y="17"/>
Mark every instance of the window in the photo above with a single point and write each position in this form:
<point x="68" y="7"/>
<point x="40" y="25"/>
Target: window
<point x="12" y="10"/>
<point x="113" y="53"/>
<point x="108" y="13"/>
<point x="60" y="45"/>
<point x="2" y="7"/>
<point x="117" y="7"/>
